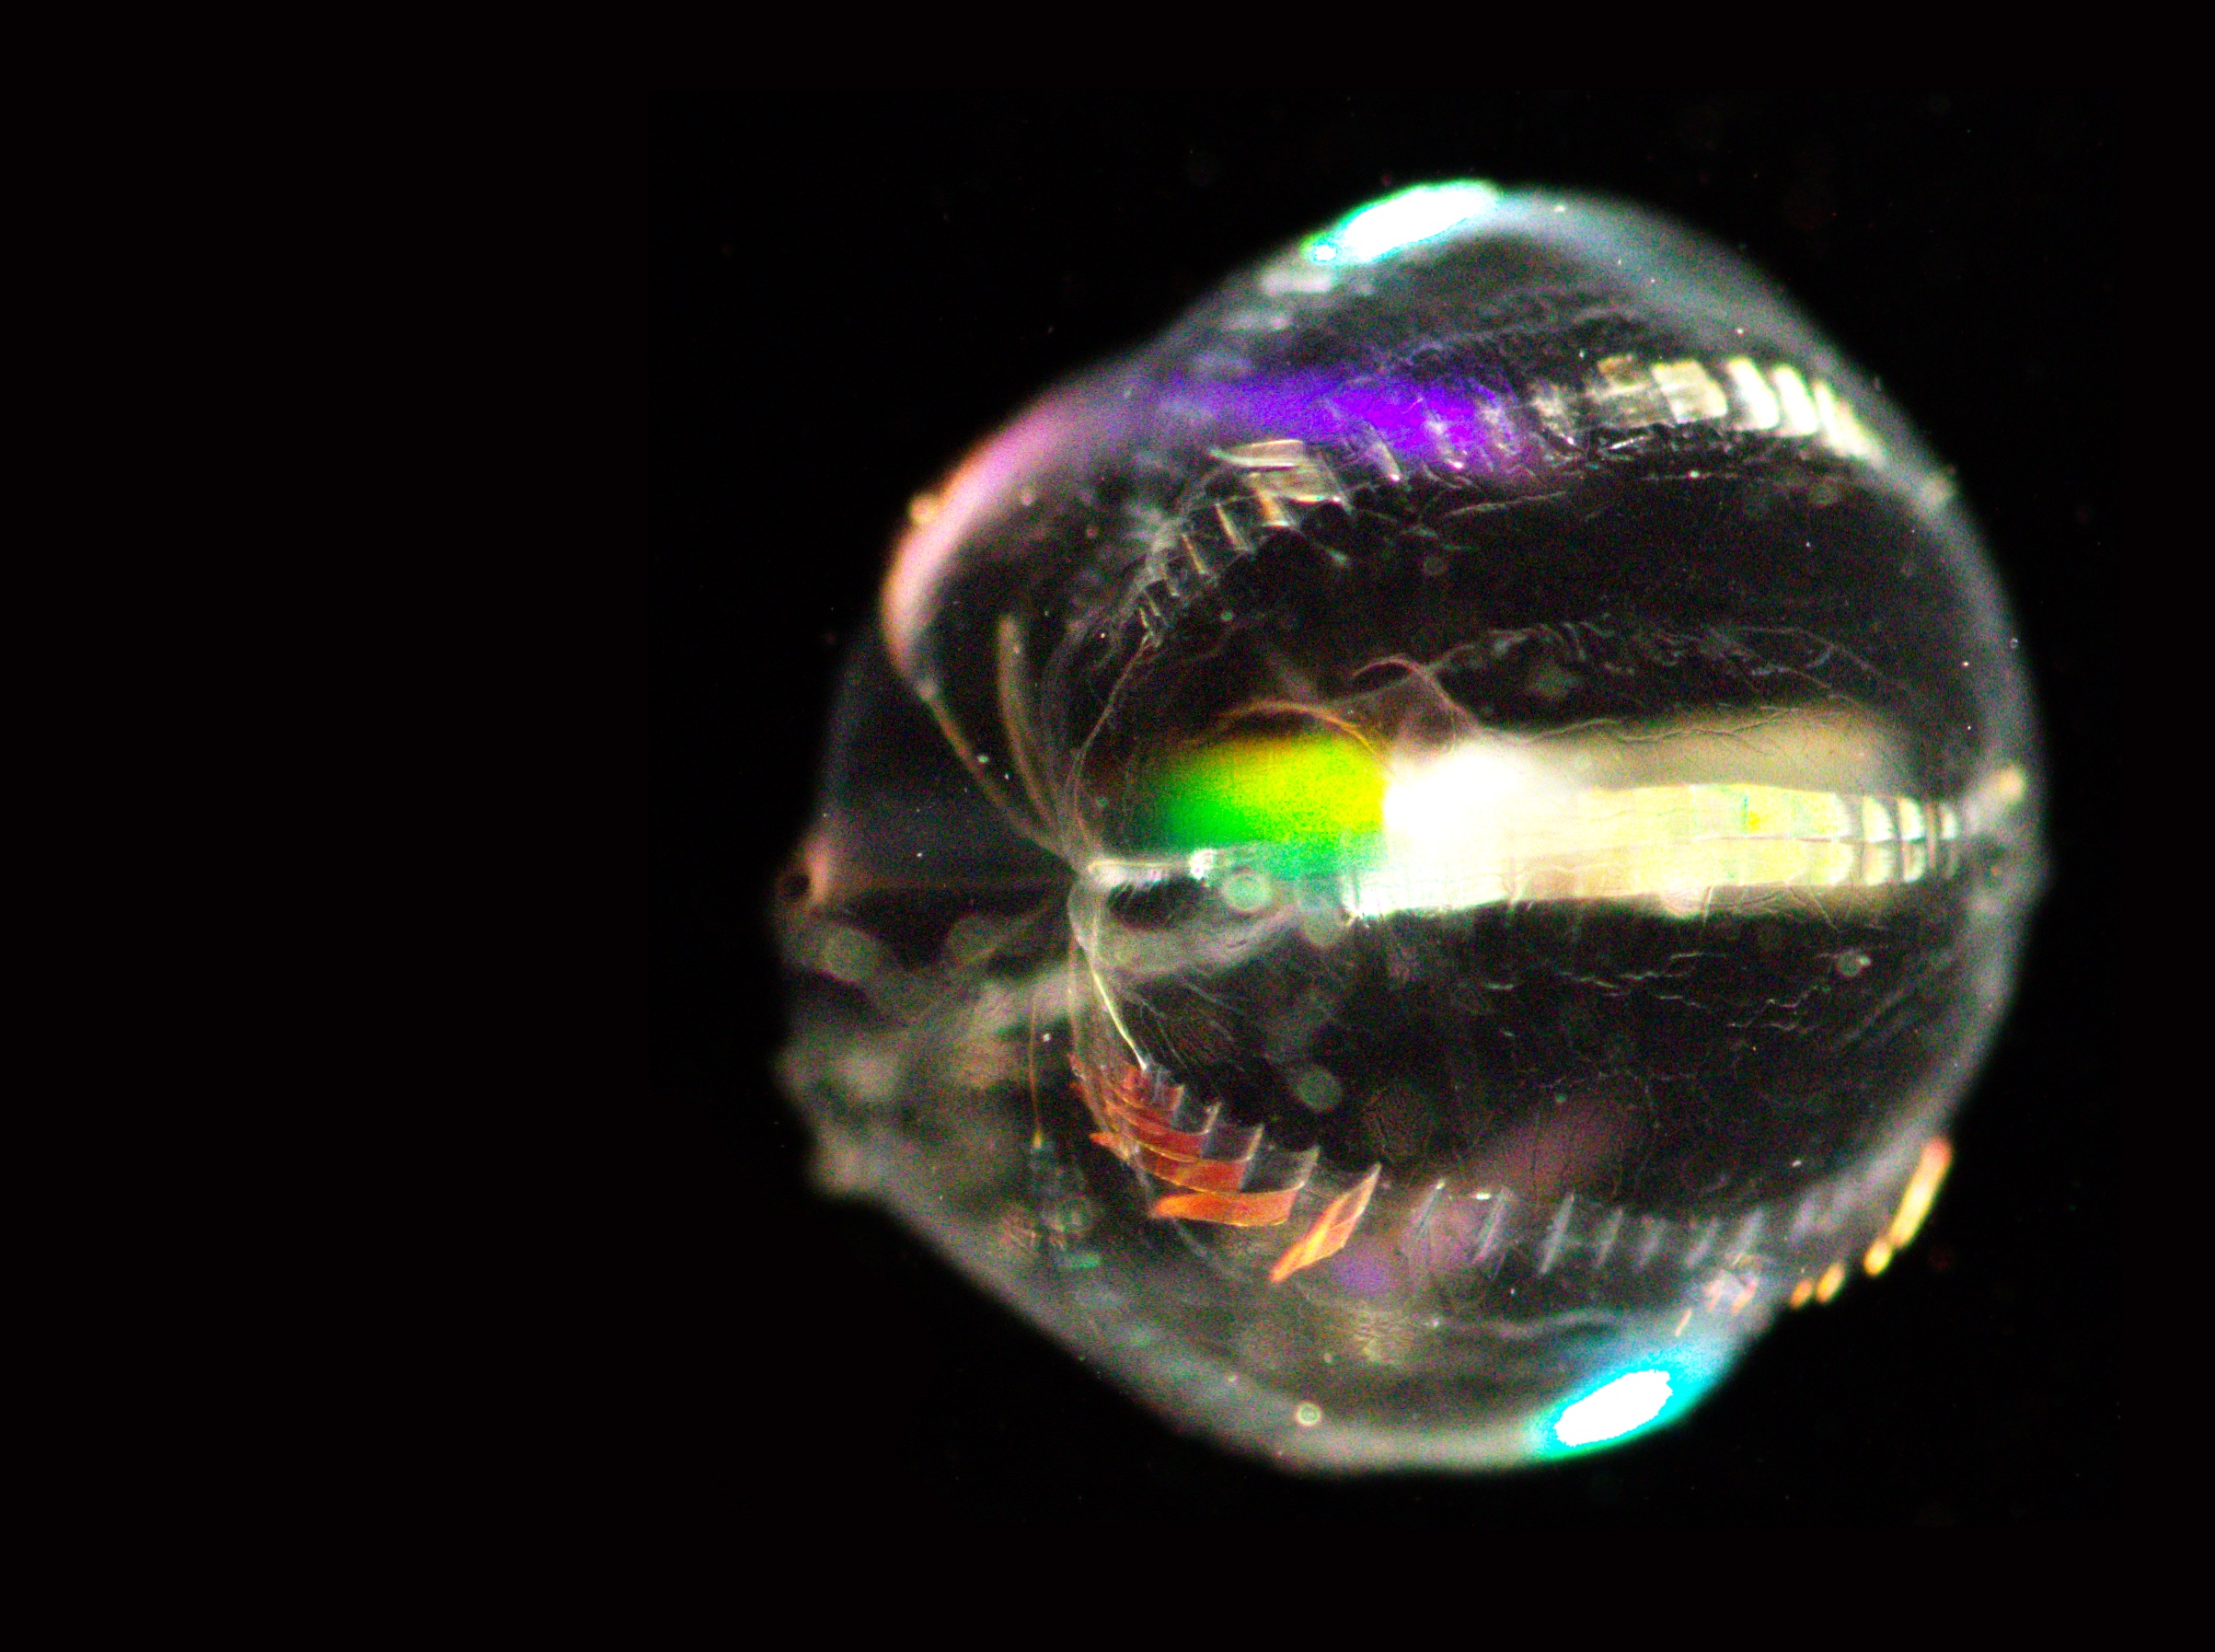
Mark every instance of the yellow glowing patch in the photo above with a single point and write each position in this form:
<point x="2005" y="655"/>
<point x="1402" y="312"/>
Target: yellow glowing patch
<point x="1309" y="791"/>
<point x="1937" y="1158"/>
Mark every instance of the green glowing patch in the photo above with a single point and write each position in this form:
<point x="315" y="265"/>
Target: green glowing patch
<point x="1309" y="791"/>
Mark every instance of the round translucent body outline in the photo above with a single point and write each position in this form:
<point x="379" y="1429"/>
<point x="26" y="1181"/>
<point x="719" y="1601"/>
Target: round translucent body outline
<point x="1860" y="843"/>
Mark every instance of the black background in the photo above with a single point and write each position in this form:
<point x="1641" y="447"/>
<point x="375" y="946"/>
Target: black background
<point x="845" y="295"/>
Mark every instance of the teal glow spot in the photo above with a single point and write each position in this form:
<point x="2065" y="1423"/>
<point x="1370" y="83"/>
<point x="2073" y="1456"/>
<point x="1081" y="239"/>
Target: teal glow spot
<point x="1631" y="1398"/>
<point x="1630" y="1402"/>
<point x="1383" y="227"/>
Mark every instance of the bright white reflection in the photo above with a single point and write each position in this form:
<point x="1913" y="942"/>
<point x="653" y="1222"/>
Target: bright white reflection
<point x="1412" y="215"/>
<point x="1628" y="1402"/>
<point x="1672" y="814"/>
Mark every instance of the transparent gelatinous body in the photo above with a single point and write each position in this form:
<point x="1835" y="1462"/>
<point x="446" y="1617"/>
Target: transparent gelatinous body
<point x="1410" y="864"/>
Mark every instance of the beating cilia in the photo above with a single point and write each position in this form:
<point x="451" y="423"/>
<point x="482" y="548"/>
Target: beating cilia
<point x="1407" y="867"/>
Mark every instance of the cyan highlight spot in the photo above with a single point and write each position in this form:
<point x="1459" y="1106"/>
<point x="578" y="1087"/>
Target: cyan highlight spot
<point x="1420" y="214"/>
<point x="1627" y="1403"/>
<point x="1635" y="1396"/>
